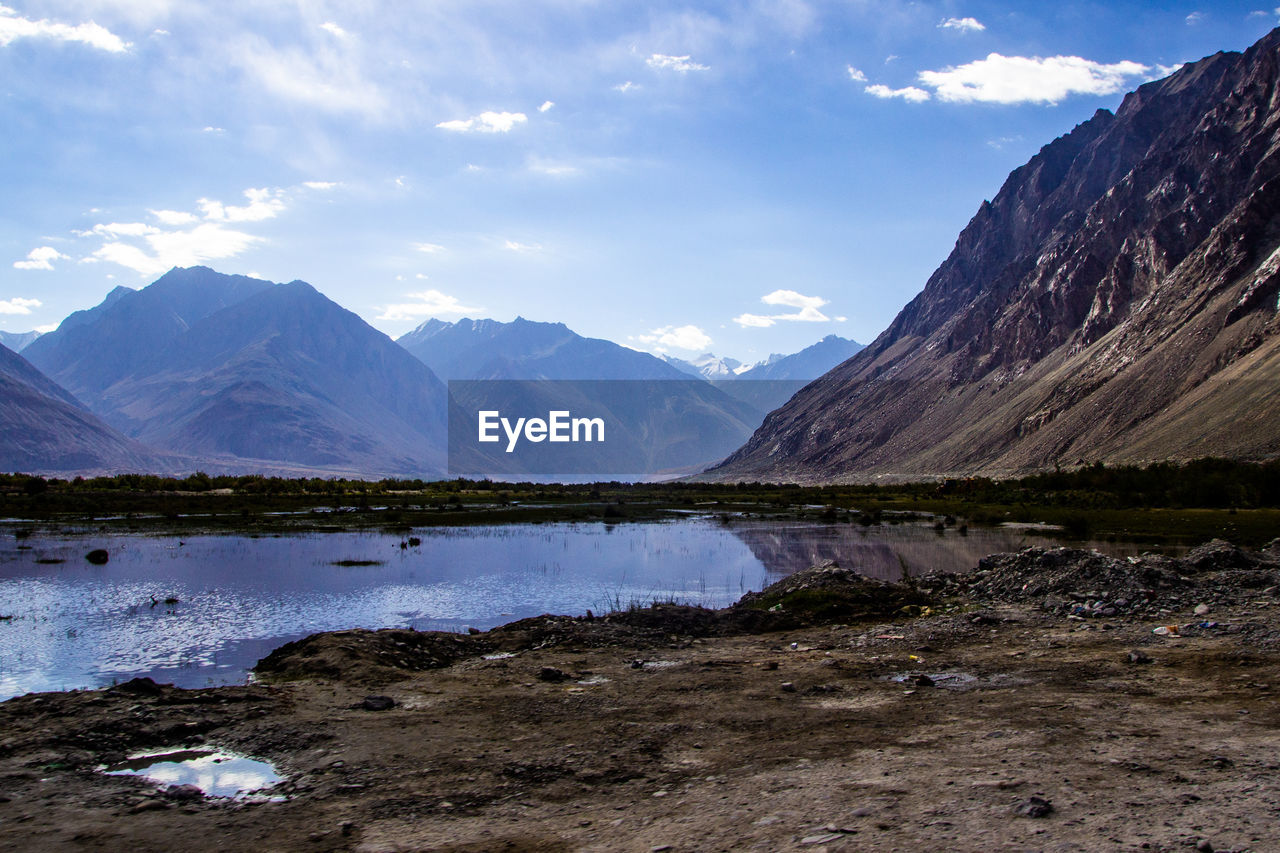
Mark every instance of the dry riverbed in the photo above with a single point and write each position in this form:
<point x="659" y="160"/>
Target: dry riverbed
<point x="1004" y="716"/>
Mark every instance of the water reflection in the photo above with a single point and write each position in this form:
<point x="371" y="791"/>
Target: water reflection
<point x="201" y="610"/>
<point x="216" y="774"/>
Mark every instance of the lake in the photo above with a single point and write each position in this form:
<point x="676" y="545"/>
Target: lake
<point x="201" y="610"/>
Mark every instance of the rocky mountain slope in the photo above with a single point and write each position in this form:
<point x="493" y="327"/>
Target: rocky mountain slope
<point x="44" y="430"/>
<point x="1116" y="301"/>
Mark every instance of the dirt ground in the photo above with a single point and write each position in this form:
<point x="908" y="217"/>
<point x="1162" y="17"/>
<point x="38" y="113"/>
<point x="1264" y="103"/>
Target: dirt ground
<point x="1033" y="730"/>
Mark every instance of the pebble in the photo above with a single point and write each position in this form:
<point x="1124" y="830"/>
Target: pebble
<point x="1201" y="609"/>
<point x="377" y="703"/>
<point x="1034" y="807"/>
<point x="788" y="687"/>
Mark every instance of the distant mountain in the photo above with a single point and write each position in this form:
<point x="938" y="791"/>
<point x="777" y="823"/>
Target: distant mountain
<point x="807" y="364"/>
<point x="17" y="341"/>
<point x="1115" y="302"/>
<point x="706" y="366"/>
<point x="663" y="420"/>
<point x="252" y="375"/>
<point x="524" y="349"/>
<point x="44" y="430"/>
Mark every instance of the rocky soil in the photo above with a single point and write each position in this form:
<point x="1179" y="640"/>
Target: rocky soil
<point x="1028" y="705"/>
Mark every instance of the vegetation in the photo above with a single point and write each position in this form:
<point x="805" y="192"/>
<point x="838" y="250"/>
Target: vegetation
<point x="1189" y="501"/>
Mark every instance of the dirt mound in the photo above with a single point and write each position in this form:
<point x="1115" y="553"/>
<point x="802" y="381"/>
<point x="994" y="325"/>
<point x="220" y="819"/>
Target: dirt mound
<point x="824" y="595"/>
<point x="369" y="656"/>
<point x="1089" y="584"/>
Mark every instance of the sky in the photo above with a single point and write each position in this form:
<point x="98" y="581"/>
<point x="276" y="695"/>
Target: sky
<point x="743" y="177"/>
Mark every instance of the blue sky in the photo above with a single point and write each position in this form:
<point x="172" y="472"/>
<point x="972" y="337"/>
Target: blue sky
<point x="741" y="177"/>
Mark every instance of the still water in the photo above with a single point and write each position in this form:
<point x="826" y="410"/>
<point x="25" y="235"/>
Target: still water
<point x="201" y="610"/>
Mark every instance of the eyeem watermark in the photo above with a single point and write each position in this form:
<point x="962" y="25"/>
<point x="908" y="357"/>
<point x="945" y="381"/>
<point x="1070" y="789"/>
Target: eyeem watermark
<point x="559" y="426"/>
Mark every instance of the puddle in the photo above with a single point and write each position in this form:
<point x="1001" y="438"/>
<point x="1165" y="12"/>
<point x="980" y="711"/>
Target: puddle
<point x="953" y="680"/>
<point x="216" y="774"/>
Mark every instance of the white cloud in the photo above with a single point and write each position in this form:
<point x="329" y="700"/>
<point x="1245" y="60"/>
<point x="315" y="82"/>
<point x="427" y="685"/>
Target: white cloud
<point x="212" y="129"/>
<point x="41" y="258"/>
<point x="856" y="75"/>
<point x="682" y="64"/>
<point x="335" y="30"/>
<point x="13" y="27"/>
<point x="807" y="310"/>
<point x="18" y="305"/>
<point x="326" y="77"/>
<point x="513" y="246"/>
<point x="907" y="93"/>
<point x="319" y="185"/>
<point x="625" y="87"/>
<point x="964" y="25"/>
<point x="120" y="229"/>
<point x="263" y="204"/>
<point x="1194" y="18"/>
<point x="546" y="105"/>
<point x="173" y="217"/>
<point x="206" y="242"/>
<point x="551" y="168"/>
<point x="428" y="303"/>
<point x="689" y="338"/>
<point x="46" y="328"/>
<point x="429" y="248"/>
<point x="1020" y="79"/>
<point x="486" y="122"/>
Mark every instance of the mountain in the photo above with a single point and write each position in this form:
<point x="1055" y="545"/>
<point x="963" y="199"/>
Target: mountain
<point x="524" y="349"/>
<point x="1116" y="301"/>
<point x="17" y="341"/>
<point x="130" y="332"/>
<point x="807" y="364"/>
<point x="44" y="430"/>
<point x="251" y="375"/>
<point x="773" y="382"/>
<point x="662" y="421"/>
<point x="706" y="366"/>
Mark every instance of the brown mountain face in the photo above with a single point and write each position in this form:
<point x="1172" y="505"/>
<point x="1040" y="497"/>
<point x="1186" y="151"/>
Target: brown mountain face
<point x="1116" y="301"/>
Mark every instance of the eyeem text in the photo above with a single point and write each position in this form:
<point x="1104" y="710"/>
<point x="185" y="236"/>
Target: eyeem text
<point x="559" y="426"/>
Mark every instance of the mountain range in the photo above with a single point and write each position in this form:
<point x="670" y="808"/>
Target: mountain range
<point x="666" y="422"/>
<point x="1116" y="301"/>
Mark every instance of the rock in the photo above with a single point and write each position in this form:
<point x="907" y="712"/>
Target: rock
<point x="1204" y="846"/>
<point x="377" y="703"/>
<point x="1034" y="806"/>
<point x="787" y="687"/>
<point x="552" y="674"/>
<point x="98" y="556"/>
<point x="1201" y="609"/>
<point x="143" y="686"/>
<point x="922" y="680"/>
<point x="184" y="793"/>
<point x="1139" y="656"/>
<point x="473" y="631"/>
<point x="824" y="838"/>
